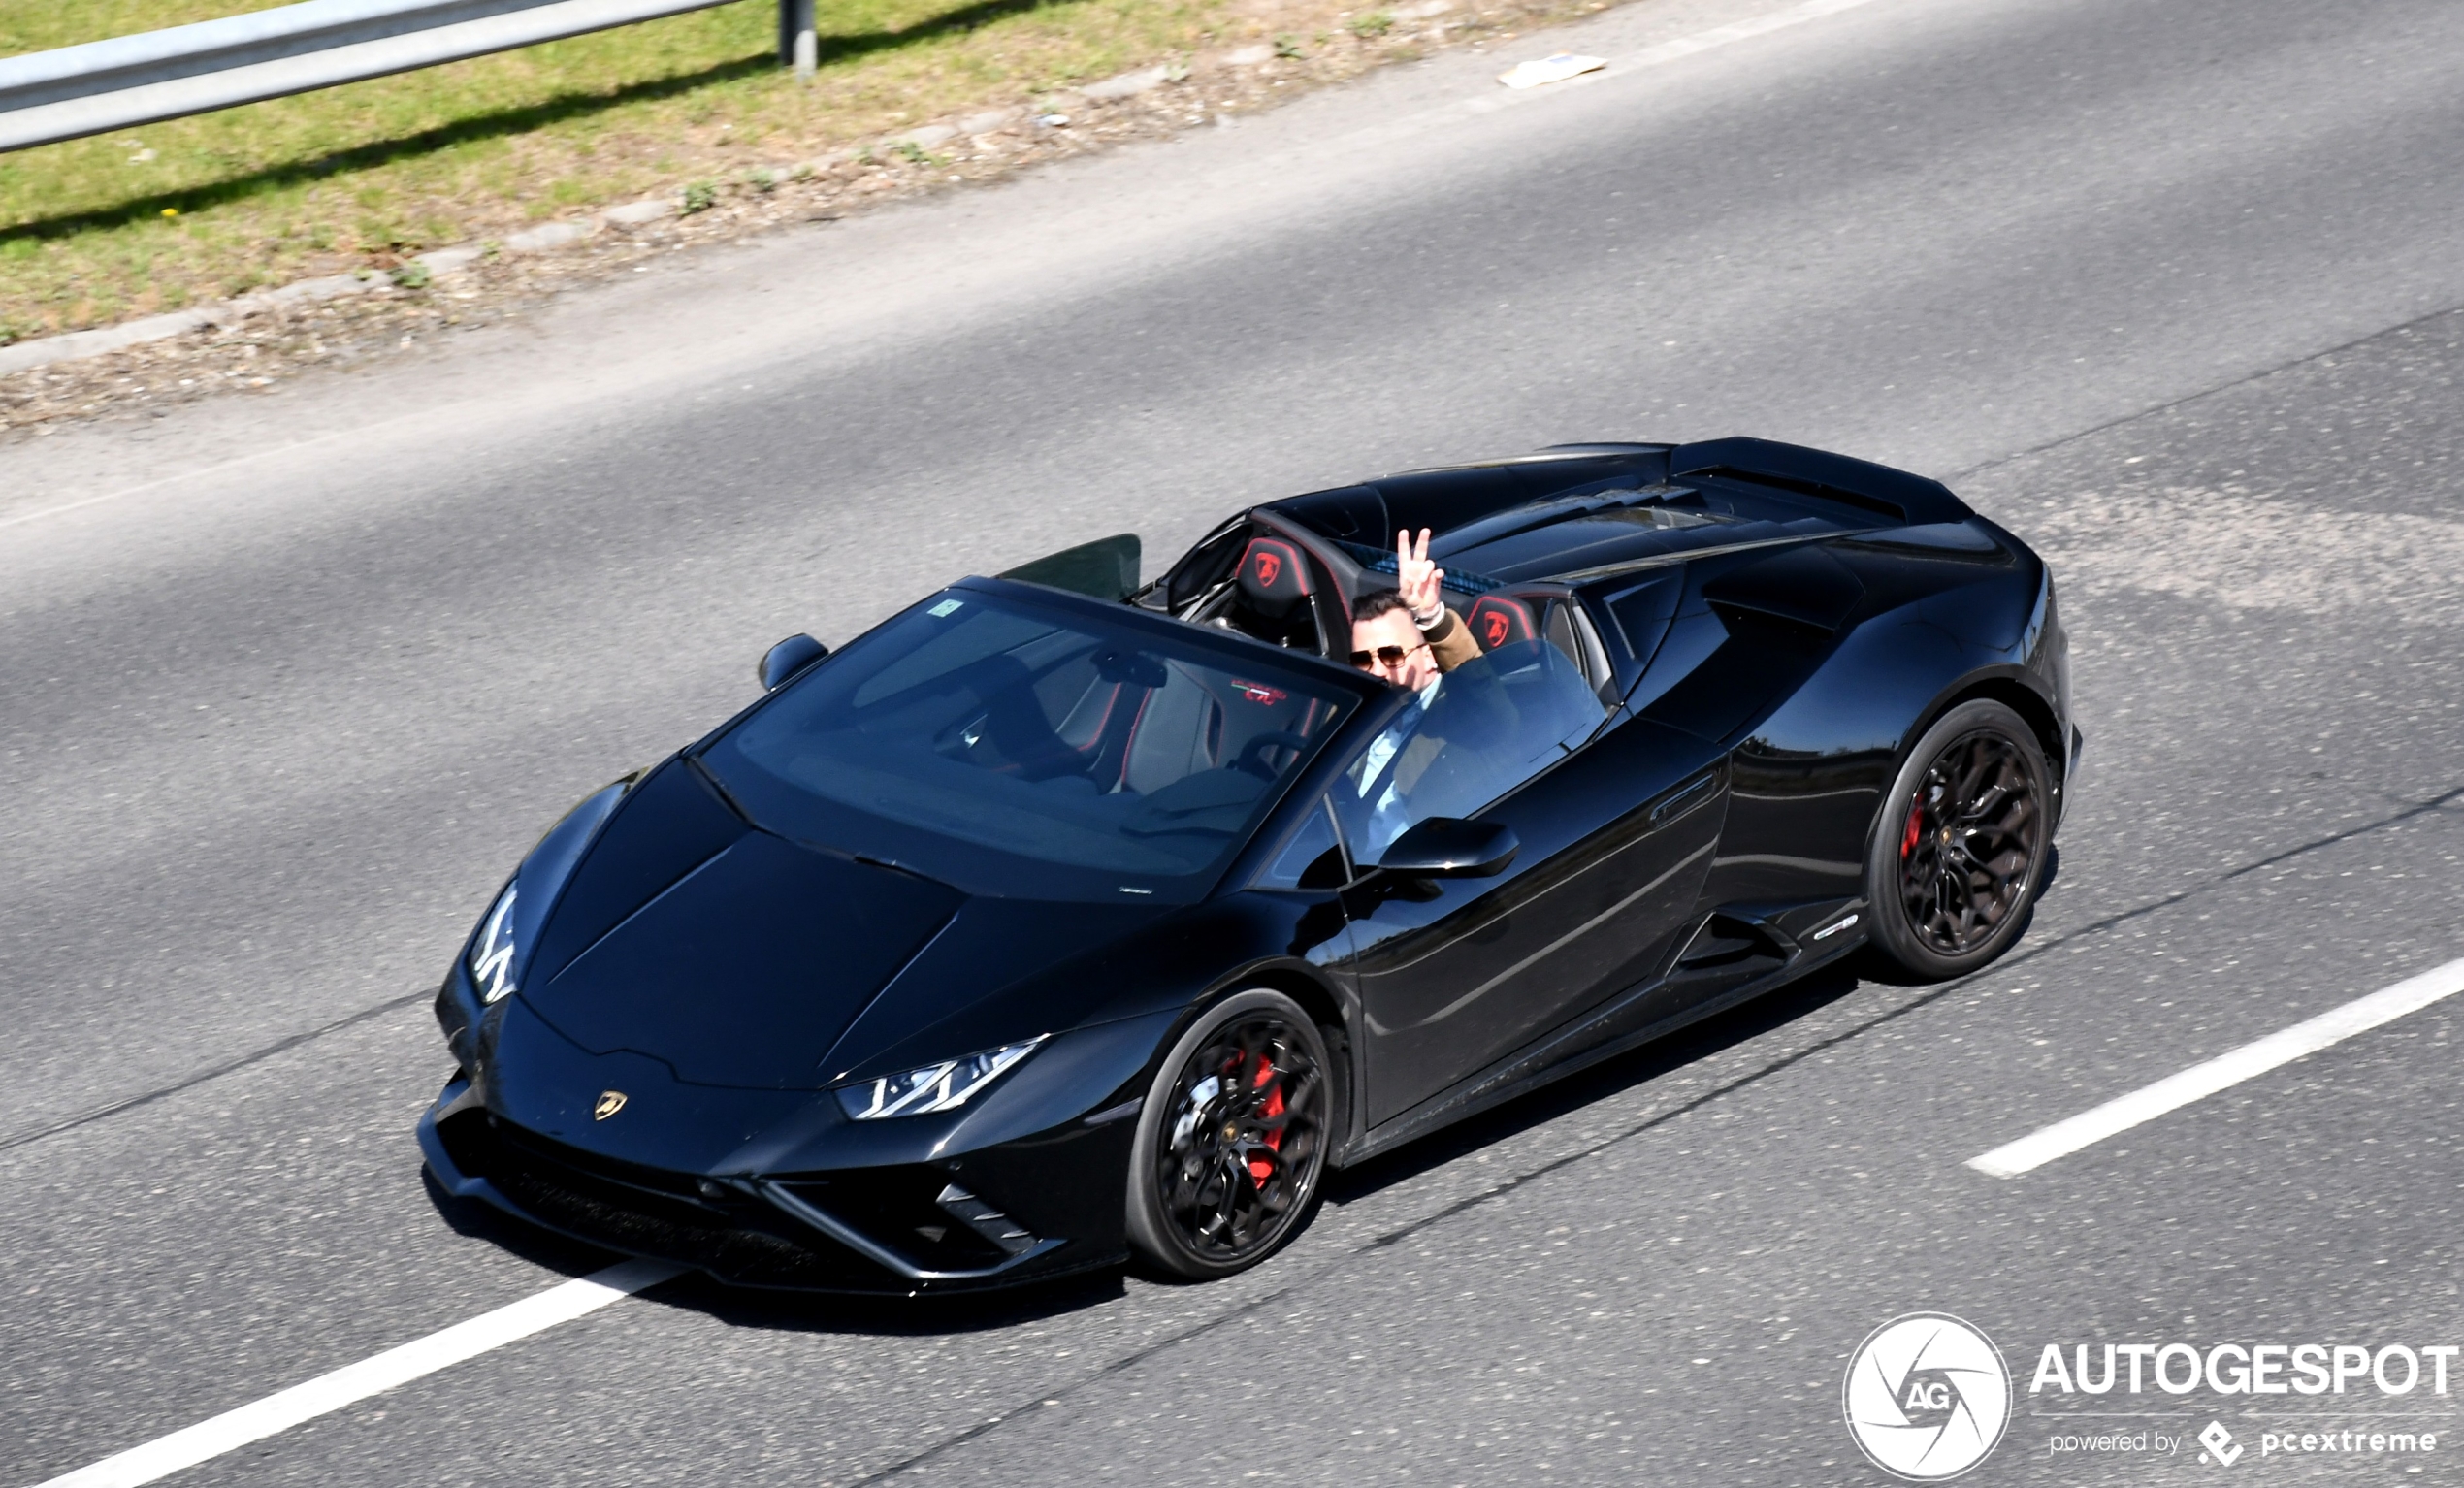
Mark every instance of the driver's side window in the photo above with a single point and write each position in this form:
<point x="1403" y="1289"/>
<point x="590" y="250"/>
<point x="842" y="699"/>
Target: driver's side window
<point x="1481" y="730"/>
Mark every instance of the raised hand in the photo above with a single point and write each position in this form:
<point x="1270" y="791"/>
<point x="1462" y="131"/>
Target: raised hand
<point x="1417" y="579"/>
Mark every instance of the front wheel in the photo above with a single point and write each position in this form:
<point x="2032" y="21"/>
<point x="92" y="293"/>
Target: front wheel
<point x="1232" y="1138"/>
<point x="1959" y="848"/>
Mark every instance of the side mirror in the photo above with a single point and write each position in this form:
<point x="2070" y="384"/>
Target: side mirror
<point x="1450" y="847"/>
<point x="788" y="658"/>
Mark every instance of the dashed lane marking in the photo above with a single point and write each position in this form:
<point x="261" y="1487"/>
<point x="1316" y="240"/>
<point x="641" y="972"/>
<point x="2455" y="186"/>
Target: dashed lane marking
<point x="287" y="1408"/>
<point x="2200" y="1081"/>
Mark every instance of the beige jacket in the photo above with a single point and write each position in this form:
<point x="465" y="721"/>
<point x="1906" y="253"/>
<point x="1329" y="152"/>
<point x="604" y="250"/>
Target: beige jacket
<point x="1450" y="642"/>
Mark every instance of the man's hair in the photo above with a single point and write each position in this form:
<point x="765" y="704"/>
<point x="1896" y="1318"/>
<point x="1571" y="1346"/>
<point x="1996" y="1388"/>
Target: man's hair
<point x="1386" y="601"/>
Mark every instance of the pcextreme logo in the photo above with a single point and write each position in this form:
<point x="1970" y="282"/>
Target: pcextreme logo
<point x="1928" y="1396"/>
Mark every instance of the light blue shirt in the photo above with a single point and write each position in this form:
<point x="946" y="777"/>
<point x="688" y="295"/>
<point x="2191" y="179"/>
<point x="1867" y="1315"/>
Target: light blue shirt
<point x="1388" y="816"/>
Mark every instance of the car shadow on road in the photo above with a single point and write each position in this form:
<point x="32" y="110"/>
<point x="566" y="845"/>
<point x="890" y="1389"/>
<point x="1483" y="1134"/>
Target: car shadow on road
<point x="1715" y="1035"/>
<point x="924" y="1316"/>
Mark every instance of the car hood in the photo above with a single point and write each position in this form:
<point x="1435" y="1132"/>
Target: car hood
<point x="762" y="963"/>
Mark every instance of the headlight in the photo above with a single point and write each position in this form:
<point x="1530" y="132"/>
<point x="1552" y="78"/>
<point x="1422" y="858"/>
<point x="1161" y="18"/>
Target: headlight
<point x="491" y="958"/>
<point x="943" y="1086"/>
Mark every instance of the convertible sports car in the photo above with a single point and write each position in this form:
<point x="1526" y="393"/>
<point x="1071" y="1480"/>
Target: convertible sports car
<point x="1056" y="919"/>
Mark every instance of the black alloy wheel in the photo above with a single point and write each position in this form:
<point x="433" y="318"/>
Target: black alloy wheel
<point x="1232" y="1139"/>
<point x="1959" y="846"/>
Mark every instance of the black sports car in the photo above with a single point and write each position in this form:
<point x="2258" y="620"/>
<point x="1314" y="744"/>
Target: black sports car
<point x="1056" y="919"/>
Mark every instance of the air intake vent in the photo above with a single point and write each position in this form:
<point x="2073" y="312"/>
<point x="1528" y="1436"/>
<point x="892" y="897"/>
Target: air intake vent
<point x="986" y="1220"/>
<point x="1726" y="943"/>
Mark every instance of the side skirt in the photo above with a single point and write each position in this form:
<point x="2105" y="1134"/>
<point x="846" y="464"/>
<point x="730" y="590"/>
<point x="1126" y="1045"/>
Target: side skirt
<point x="1536" y="1065"/>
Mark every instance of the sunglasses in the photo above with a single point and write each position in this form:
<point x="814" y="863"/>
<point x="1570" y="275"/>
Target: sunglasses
<point x="1386" y="656"/>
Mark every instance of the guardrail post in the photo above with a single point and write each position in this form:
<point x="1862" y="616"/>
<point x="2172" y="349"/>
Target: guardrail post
<point x="797" y="45"/>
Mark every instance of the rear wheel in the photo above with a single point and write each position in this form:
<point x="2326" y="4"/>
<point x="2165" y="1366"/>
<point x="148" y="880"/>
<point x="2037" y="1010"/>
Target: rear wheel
<point x="1232" y="1139"/>
<point x="1959" y="850"/>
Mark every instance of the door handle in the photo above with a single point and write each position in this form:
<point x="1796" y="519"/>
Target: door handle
<point x="1685" y="796"/>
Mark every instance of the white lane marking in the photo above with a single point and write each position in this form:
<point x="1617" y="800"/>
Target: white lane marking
<point x="2199" y="1080"/>
<point x="287" y="1408"/>
<point x="1721" y="36"/>
<point x="234" y="462"/>
<point x="1673" y="49"/>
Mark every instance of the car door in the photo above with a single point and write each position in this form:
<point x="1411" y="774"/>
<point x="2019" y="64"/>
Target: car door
<point x="1617" y="822"/>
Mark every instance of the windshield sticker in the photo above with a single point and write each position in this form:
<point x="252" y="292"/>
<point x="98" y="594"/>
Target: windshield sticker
<point x="944" y="608"/>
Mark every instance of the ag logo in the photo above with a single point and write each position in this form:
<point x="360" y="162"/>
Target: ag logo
<point x="1928" y="1396"/>
<point x="1495" y="624"/>
<point x="1269" y="565"/>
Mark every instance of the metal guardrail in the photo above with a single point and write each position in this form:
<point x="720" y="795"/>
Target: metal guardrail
<point x="100" y="86"/>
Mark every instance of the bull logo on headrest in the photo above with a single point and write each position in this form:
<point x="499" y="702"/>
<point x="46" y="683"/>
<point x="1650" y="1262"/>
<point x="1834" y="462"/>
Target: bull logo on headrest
<point x="1269" y="565"/>
<point x="1495" y="624"/>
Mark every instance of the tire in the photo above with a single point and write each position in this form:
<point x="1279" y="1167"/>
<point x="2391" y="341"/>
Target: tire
<point x="1959" y="846"/>
<point x="1232" y="1139"/>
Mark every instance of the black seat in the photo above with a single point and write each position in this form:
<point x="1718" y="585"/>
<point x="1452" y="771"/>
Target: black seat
<point x="1275" y="586"/>
<point x="1274" y="576"/>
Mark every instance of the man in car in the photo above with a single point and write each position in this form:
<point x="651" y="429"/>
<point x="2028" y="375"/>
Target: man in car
<point x="1405" y="635"/>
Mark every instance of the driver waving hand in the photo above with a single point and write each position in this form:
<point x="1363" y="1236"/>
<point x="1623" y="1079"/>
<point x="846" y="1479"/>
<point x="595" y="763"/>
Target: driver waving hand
<point x="1405" y="635"/>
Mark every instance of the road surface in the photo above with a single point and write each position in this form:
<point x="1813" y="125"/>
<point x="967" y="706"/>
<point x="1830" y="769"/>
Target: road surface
<point x="2172" y="290"/>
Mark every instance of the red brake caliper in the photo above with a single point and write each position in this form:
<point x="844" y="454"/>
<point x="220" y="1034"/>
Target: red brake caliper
<point x="1261" y="1168"/>
<point x="1916" y="827"/>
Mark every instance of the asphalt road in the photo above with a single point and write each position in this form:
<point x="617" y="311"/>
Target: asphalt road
<point x="2172" y="290"/>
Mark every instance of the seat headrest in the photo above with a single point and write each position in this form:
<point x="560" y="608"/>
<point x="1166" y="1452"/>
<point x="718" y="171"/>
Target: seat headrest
<point x="1498" y="620"/>
<point x="1274" y="576"/>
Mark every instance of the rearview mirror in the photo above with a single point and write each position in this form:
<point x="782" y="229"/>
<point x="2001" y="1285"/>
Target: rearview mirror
<point x="788" y="658"/>
<point x="1450" y="847"/>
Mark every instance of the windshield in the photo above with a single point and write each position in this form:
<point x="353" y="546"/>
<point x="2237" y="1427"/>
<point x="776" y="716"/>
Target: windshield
<point x="1010" y="749"/>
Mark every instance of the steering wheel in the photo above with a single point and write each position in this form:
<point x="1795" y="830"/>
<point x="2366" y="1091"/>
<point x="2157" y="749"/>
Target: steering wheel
<point x="1253" y="755"/>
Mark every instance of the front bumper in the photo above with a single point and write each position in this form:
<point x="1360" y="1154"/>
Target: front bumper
<point x="899" y="1229"/>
